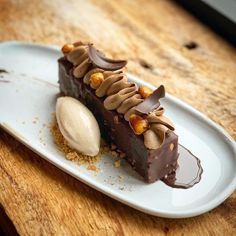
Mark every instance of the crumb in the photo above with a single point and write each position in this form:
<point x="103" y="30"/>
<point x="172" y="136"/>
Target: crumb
<point x="34" y="121"/>
<point x="23" y="122"/>
<point x="112" y="150"/>
<point x="117" y="163"/>
<point x="114" y="153"/>
<point x="70" y="154"/>
<point x="121" y="177"/>
<point x="113" y="146"/>
<point x="92" y="167"/>
<point x="106" y="149"/>
<point x="122" y="155"/>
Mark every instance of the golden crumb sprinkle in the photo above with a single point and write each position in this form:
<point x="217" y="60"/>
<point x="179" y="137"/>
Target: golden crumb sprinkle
<point x="73" y="155"/>
<point x="117" y="164"/>
<point x="70" y="154"/>
<point x="92" y="167"/>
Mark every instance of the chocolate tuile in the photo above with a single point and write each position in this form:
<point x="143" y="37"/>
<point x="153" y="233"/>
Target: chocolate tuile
<point x="99" y="60"/>
<point x="151" y="102"/>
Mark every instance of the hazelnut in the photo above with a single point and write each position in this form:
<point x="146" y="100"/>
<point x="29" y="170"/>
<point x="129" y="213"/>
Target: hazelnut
<point x="138" y="124"/>
<point x="67" y="48"/>
<point x="145" y="91"/>
<point x="96" y="79"/>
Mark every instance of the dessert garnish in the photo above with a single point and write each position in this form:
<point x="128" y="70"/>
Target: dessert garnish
<point x="78" y="126"/>
<point x="151" y="102"/>
<point x="99" y="60"/>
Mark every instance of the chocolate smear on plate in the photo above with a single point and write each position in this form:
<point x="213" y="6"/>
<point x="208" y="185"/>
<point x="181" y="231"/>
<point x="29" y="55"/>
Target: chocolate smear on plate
<point x="188" y="173"/>
<point x="99" y="60"/>
<point x="3" y="71"/>
<point x="151" y="102"/>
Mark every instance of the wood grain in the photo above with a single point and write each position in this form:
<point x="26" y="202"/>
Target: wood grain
<point x="40" y="199"/>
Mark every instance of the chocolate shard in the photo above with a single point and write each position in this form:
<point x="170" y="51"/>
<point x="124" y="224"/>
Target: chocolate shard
<point x="151" y="102"/>
<point x="99" y="60"/>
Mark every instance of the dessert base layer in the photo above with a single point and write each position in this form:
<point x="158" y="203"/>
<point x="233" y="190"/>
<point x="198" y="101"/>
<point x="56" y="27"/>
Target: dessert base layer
<point x="152" y="165"/>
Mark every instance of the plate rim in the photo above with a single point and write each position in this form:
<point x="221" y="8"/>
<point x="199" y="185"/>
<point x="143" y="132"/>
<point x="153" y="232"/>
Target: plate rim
<point x="214" y="202"/>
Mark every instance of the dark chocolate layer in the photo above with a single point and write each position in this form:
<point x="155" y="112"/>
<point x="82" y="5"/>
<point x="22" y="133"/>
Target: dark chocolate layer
<point x="151" y="164"/>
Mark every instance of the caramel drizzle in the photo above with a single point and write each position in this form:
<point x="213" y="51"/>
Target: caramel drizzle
<point x="121" y="95"/>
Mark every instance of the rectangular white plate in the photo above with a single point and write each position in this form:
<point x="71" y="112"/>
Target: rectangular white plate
<point x="27" y="100"/>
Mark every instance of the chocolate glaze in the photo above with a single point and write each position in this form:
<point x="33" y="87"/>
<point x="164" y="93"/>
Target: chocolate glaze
<point x="99" y="60"/>
<point x="151" y="102"/>
<point x="151" y="164"/>
<point x="188" y="172"/>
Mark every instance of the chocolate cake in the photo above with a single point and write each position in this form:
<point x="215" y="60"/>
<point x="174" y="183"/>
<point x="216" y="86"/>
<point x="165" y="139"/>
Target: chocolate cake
<point x="129" y="116"/>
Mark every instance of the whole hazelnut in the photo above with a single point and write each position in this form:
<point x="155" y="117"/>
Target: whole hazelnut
<point x="138" y="124"/>
<point x="96" y="79"/>
<point x="144" y="91"/>
<point x="67" y="48"/>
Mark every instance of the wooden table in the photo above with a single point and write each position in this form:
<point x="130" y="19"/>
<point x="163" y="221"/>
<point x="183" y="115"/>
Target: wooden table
<point x="164" y="44"/>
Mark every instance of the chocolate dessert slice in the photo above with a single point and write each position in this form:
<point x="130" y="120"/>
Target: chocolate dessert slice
<point x="128" y="116"/>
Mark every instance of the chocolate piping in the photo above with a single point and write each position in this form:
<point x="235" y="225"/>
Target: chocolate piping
<point x="99" y="60"/>
<point x="151" y="102"/>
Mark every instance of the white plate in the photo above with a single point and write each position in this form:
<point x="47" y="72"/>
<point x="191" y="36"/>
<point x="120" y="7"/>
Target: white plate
<point x="28" y="99"/>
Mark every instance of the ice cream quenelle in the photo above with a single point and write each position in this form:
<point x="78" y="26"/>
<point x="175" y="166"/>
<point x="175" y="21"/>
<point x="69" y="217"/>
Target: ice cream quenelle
<point x="78" y="126"/>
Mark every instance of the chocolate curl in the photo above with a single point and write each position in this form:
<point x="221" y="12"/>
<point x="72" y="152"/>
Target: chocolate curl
<point x="99" y="60"/>
<point x="151" y="102"/>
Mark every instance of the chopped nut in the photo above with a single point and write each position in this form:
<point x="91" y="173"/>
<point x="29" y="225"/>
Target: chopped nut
<point x="117" y="164"/>
<point x="113" y="146"/>
<point x="145" y="91"/>
<point x="138" y="124"/>
<point x="114" y="153"/>
<point x="122" y="155"/>
<point x="96" y="79"/>
<point x="67" y="48"/>
<point x="92" y="167"/>
<point x="172" y="146"/>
